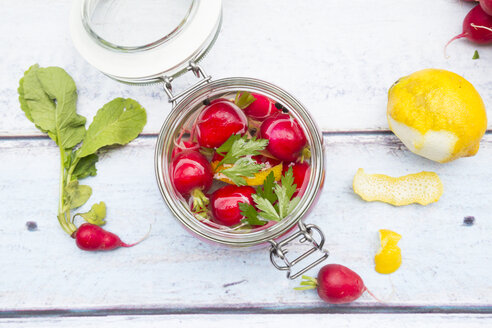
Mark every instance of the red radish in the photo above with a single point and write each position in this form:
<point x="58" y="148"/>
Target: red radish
<point x="336" y="284"/>
<point x="225" y="203"/>
<point x="191" y="174"/>
<point x="190" y="171"/>
<point x="301" y="172"/>
<point x="261" y="108"/>
<point x="486" y="6"/>
<point x="90" y="237"/>
<point x="184" y="145"/>
<point x="285" y="136"/>
<point x="218" y="121"/>
<point x="477" y="27"/>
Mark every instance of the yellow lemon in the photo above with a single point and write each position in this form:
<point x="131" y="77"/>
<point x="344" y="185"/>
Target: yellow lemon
<point x="388" y="258"/>
<point x="257" y="180"/>
<point x="437" y="114"/>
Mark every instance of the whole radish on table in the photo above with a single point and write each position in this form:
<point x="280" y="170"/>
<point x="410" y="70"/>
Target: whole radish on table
<point x="48" y="97"/>
<point x="477" y="25"/>
<point x="336" y="284"/>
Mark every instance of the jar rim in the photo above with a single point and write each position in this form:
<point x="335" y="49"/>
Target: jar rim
<point x="103" y="41"/>
<point x="150" y="64"/>
<point x="182" y="213"/>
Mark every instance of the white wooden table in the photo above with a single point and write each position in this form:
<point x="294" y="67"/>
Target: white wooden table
<point x="339" y="58"/>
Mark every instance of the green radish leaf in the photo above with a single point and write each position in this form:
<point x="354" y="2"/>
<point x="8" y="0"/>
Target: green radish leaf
<point x="76" y="195"/>
<point x="241" y="147"/>
<point x="267" y="190"/>
<point x="22" y="98"/>
<point x="250" y="215"/>
<point x="85" y="167"/>
<point x="244" y="99"/>
<point x="117" y="122"/>
<point x="244" y="167"/>
<point x="51" y="96"/>
<point x="266" y="209"/>
<point x="96" y="214"/>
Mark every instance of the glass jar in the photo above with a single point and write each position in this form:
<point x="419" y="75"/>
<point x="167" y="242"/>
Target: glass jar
<point x="160" y="59"/>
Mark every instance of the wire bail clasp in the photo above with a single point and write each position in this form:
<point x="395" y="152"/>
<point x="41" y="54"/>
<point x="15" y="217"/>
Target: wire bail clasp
<point x="279" y="251"/>
<point x="197" y="70"/>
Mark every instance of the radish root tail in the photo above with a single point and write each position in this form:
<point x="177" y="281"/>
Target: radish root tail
<point x="373" y="296"/>
<point x="459" y="36"/>
<point x="138" y="242"/>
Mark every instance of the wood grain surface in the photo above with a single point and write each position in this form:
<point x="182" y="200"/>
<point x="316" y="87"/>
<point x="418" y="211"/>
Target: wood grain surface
<point x="338" y="58"/>
<point x="173" y="267"/>
<point x="273" y="321"/>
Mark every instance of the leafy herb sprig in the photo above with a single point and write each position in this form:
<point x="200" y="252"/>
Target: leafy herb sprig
<point x="237" y="152"/>
<point x="48" y="97"/>
<point x="274" y="201"/>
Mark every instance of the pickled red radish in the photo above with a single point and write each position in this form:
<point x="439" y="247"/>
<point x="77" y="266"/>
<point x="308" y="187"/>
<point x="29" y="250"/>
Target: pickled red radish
<point x="261" y="108"/>
<point x="301" y="173"/>
<point x="215" y="146"/>
<point x="218" y="121"/>
<point x="190" y="171"/>
<point x="286" y="139"/>
<point x="225" y="203"/>
<point x="184" y="145"/>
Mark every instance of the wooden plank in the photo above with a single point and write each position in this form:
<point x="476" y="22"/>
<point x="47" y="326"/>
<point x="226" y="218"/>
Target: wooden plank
<point x="339" y="58"/>
<point x="444" y="262"/>
<point x="273" y="321"/>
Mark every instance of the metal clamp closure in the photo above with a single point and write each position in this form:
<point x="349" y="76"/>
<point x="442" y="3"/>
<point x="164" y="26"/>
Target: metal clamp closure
<point x="279" y="251"/>
<point x="199" y="73"/>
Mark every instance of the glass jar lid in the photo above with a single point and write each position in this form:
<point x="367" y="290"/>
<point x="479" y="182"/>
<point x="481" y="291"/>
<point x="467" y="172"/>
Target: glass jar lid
<point x="140" y="41"/>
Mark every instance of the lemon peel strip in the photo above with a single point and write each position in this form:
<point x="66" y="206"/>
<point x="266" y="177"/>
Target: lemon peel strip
<point x="257" y="180"/>
<point x="422" y="188"/>
<point x="388" y="258"/>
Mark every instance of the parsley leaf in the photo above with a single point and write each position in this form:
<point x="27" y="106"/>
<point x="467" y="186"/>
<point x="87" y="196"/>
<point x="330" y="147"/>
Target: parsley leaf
<point x="240" y="147"/>
<point x="244" y="99"/>
<point x="244" y="167"/>
<point x="285" y="192"/>
<point x="265" y="198"/>
<point x="250" y="215"/>
<point x="267" y="190"/>
<point x="226" y="146"/>
<point x="267" y="211"/>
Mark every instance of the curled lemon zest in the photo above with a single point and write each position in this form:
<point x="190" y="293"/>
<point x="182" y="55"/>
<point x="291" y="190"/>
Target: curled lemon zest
<point x="422" y="188"/>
